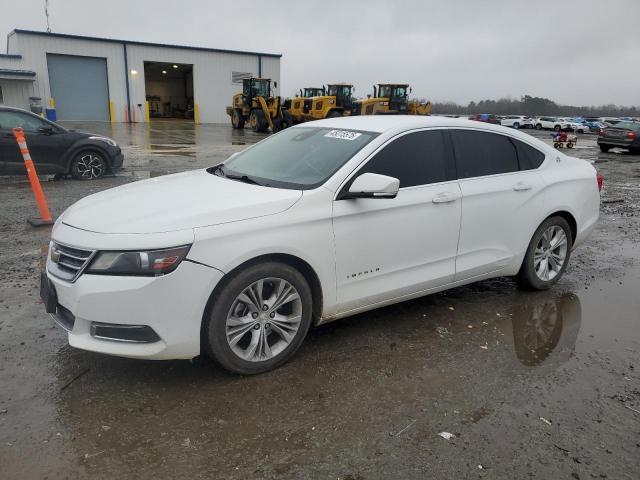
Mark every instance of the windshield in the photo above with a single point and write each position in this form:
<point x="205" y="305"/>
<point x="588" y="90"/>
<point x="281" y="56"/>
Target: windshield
<point x="399" y="92"/>
<point x="312" y="92"/>
<point x="298" y="158"/>
<point x="260" y="88"/>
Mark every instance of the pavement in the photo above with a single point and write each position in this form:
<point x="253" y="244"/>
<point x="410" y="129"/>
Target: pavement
<point x="483" y="381"/>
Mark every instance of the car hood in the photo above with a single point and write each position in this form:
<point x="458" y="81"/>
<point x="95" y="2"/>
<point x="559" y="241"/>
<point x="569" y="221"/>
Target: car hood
<point x="176" y="202"/>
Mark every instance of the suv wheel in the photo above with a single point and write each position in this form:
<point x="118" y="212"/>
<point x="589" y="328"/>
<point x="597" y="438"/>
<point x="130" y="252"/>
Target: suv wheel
<point x="547" y="255"/>
<point x="258" y="319"/>
<point x="88" y="166"/>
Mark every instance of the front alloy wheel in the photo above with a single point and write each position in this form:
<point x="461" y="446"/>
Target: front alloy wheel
<point x="88" y="166"/>
<point x="258" y="318"/>
<point x="264" y="319"/>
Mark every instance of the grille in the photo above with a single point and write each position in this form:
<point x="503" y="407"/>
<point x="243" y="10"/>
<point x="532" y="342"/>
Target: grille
<point x="67" y="262"/>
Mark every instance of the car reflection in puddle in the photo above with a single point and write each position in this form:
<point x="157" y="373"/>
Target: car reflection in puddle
<point x="545" y="329"/>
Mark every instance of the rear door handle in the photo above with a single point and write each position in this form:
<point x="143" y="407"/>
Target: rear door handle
<point x="445" y="197"/>
<point x="521" y="187"/>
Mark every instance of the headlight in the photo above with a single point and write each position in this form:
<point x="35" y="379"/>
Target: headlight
<point x="149" y="263"/>
<point x="105" y="140"/>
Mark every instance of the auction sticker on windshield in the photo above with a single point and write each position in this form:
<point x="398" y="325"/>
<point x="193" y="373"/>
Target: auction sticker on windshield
<point x="343" y="134"/>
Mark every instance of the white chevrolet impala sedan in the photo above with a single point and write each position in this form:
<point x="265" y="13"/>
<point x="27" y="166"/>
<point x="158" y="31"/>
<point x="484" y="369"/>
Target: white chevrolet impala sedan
<point x="318" y="222"/>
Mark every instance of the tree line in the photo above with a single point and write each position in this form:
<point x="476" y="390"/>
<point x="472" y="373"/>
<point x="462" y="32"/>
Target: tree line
<point x="528" y="105"/>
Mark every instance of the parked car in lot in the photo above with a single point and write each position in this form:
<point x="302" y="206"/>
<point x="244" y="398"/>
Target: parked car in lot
<point x="486" y="118"/>
<point x="622" y="135"/>
<point x="318" y="222"/>
<point x="551" y="123"/>
<point x="574" y="124"/>
<point x="54" y="149"/>
<point x="516" y="121"/>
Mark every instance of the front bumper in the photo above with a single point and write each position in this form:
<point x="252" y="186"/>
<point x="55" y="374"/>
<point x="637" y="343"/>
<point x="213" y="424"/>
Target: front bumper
<point x="116" y="161"/>
<point x="171" y="305"/>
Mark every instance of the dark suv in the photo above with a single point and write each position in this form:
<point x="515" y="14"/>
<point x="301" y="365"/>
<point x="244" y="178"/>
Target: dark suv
<point x="54" y="149"/>
<point x="622" y="135"/>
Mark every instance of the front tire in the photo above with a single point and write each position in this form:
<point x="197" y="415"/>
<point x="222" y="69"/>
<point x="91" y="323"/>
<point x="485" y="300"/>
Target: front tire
<point x="88" y="165"/>
<point x="259" y="318"/>
<point x="547" y="255"/>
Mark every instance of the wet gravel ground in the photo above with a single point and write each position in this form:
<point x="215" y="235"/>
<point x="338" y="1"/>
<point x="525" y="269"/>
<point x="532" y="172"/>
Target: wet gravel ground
<point x="529" y="385"/>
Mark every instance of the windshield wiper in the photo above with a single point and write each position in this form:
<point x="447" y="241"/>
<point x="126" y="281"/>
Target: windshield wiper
<point x="219" y="171"/>
<point x="242" y="178"/>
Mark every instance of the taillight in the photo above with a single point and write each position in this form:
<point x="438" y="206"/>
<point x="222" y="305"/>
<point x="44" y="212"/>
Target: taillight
<point x="631" y="135"/>
<point x="600" y="180"/>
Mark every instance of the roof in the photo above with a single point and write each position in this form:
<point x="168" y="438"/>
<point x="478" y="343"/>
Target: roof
<point x="146" y="44"/>
<point x="394" y="124"/>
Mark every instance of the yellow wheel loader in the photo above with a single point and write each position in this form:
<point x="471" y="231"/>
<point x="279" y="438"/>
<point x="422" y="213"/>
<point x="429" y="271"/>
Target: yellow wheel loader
<point x="390" y="99"/>
<point x="300" y="105"/>
<point x="256" y="105"/>
<point x="335" y="101"/>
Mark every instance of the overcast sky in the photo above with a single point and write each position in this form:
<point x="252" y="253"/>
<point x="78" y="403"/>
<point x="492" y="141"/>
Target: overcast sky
<point x="575" y="52"/>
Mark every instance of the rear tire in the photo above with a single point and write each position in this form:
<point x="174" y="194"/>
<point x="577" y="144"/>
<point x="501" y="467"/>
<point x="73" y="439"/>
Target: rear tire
<point x="547" y="255"/>
<point x="237" y="118"/>
<point x="605" y="148"/>
<point x="243" y="334"/>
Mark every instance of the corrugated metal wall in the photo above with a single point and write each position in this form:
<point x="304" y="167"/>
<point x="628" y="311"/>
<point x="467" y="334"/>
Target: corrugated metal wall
<point x="212" y="84"/>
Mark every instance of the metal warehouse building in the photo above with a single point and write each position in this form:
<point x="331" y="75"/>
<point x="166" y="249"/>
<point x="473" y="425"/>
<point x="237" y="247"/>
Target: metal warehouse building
<point x="86" y="78"/>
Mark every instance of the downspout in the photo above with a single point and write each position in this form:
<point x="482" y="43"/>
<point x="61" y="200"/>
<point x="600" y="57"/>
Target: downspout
<point x="126" y="81"/>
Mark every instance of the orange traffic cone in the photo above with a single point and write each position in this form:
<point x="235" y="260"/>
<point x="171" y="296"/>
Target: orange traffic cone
<point x="45" y="215"/>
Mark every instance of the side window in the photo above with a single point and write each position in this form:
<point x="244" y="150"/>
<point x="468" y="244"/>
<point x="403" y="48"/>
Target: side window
<point x="10" y="119"/>
<point x="530" y="158"/>
<point x="416" y="158"/>
<point x="483" y="153"/>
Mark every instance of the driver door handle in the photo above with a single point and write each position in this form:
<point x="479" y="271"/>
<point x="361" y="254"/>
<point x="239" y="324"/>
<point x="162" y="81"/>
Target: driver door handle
<point x="521" y="187"/>
<point x="445" y="197"/>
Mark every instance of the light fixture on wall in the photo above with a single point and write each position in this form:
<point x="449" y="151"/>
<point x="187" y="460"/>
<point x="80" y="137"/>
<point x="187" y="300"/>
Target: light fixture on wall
<point x="164" y="72"/>
<point x="133" y="72"/>
<point x="175" y="66"/>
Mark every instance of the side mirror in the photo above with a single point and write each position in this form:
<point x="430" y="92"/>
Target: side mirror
<point x="46" y="129"/>
<point x="373" y="185"/>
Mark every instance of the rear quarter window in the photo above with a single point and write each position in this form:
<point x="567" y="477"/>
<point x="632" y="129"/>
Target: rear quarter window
<point x="529" y="158"/>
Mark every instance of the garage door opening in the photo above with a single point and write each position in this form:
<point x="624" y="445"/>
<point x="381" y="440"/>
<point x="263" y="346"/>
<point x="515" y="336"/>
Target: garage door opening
<point x="169" y="90"/>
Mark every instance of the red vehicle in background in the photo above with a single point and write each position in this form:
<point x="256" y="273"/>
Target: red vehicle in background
<point x="486" y="118"/>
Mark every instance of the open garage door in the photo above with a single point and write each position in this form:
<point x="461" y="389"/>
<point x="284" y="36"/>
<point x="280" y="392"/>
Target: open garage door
<point x="79" y="87"/>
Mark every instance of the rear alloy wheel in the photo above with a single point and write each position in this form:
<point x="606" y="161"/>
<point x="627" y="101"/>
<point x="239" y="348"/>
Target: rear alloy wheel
<point x="259" y="318"/>
<point x="88" y="166"/>
<point x="547" y="256"/>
